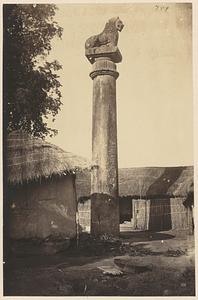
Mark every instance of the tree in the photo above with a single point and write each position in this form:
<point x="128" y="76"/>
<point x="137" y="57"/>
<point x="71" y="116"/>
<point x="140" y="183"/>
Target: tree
<point x="31" y="85"/>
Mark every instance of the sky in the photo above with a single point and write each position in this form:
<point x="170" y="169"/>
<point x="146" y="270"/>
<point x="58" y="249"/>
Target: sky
<point x="154" y="89"/>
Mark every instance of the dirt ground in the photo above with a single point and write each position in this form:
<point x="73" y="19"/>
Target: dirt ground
<point x="136" y="264"/>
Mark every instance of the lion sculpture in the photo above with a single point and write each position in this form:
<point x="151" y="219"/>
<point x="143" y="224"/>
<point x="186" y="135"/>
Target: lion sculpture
<point x="109" y="36"/>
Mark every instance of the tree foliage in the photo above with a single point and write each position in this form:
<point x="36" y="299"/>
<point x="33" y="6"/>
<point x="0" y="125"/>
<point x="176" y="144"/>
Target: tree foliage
<point x="31" y="85"/>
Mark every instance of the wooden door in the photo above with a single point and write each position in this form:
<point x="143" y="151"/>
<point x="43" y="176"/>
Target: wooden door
<point x="140" y="214"/>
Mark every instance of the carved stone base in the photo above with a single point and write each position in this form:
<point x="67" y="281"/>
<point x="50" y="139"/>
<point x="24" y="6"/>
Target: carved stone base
<point x="104" y="51"/>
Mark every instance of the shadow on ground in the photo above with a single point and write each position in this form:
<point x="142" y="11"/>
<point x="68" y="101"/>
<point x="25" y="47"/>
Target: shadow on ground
<point x="148" y="270"/>
<point x="137" y="236"/>
<point x="90" y="250"/>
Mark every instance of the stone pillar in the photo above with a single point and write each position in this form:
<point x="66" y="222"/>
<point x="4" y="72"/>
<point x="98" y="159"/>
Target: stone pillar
<point x="104" y="173"/>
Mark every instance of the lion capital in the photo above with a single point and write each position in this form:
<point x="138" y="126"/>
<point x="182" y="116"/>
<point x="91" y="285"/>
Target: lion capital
<point x="105" y="42"/>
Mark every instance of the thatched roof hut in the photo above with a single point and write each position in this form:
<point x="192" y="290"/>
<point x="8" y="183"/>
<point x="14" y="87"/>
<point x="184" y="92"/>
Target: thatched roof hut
<point x="150" y="198"/>
<point x="30" y="158"/>
<point x="148" y="182"/>
<point x="41" y="188"/>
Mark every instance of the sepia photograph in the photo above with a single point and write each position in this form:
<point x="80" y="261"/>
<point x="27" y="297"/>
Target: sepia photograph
<point x="98" y="149"/>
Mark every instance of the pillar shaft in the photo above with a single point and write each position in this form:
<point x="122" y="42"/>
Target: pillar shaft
<point x="104" y="176"/>
<point x="102" y="52"/>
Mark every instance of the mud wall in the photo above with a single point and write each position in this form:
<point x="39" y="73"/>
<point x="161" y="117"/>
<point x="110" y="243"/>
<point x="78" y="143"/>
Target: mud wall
<point x="179" y="214"/>
<point x="153" y="214"/>
<point x="161" y="214"/>
<point x="41" y="209"/>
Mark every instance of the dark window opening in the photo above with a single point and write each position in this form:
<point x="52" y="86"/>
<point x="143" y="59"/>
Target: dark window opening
<point x="125" y="210"/>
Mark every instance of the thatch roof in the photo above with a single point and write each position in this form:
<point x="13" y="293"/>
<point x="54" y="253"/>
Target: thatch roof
<point x="151" y="182"/>
<point x="29" y="158"/>
<point x="146" y="182"/>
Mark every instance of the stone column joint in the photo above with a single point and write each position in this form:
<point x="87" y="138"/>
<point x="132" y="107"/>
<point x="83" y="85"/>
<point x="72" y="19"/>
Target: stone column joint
<point x="96" y="73"/>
